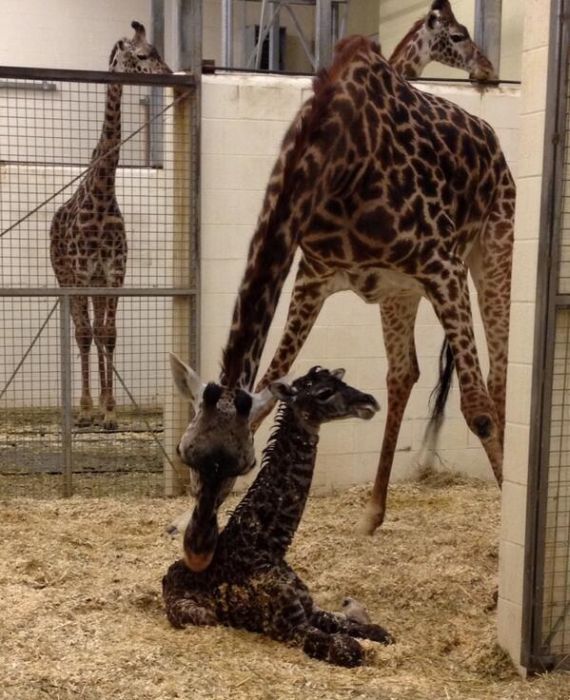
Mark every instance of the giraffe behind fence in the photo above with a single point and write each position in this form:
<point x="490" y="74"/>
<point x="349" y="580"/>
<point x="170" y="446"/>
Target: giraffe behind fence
<point x="88" y="243"/>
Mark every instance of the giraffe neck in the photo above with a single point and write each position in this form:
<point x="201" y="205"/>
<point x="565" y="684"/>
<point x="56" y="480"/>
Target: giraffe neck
<point x="271" y="510"/>
<point x="105" y="158"/>
<point x="412" y="55"/>
<point x="270" y="256"/>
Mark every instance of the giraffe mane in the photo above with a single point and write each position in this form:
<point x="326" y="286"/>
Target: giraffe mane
<point x="414" y="28"/>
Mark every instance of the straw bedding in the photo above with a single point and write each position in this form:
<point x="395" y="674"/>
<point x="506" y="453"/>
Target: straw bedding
<point x="82" y="616"/>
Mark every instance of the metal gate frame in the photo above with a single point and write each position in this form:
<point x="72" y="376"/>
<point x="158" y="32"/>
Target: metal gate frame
<point x="187" y="87"/>
<point x="536" y="655"/>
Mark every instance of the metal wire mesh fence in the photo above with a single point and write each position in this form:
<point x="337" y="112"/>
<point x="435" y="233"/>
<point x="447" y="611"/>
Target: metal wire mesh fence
<point x="56" y="150"/>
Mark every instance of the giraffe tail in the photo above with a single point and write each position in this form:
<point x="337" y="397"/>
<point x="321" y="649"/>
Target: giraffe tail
<point x="437" y="401"/>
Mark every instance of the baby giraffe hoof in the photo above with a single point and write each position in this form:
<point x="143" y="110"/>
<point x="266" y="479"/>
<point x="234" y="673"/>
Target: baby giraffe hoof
<point x="377" y="634"/>
<point x="345" y="651"/>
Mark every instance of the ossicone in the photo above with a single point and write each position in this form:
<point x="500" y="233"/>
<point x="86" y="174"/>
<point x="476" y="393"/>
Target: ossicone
<point x="211" y="394"/>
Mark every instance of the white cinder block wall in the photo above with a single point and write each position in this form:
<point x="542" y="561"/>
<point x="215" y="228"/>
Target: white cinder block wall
<point x="244" y="119"/>
<point x="529" y="183"/>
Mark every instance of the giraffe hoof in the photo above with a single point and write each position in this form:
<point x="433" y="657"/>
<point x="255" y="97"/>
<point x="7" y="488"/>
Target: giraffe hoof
<point x="84" y="421"/>
<point x="370" y="521"/>
<point x="110" y="424"/>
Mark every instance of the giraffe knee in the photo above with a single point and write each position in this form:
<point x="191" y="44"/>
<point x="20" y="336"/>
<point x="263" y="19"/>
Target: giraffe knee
<point x="482" y="426"/>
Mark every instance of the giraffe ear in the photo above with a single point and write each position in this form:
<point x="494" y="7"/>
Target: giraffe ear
<point x="282" y="390"/>
<point x="338" y="373"/>
<point x="261" y="404"/>
<point x="187" y="381"/>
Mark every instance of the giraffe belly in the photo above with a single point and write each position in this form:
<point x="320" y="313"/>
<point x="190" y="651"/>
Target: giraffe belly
<point x="373" y="285"/>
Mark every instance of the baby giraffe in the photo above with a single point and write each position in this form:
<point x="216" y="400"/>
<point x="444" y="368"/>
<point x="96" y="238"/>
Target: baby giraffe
<point x="248" y="583"/>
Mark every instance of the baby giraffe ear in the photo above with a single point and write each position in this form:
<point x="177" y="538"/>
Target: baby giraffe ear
<point x="282" y="390"/>
<point x="187" y="381"/>
<point x="338" y="373"/>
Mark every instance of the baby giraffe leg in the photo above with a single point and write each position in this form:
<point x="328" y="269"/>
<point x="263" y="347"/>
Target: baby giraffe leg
<point x="183" y="609"/>
<point x="288" y="622"/>
<point x="337" y="624"/>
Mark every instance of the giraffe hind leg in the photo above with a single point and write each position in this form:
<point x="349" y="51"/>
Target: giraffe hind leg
<point x="490" y="264"/>
<point x="79" y="307"/>
<point x="105" y="333"/>
<point x="398" y="318"/>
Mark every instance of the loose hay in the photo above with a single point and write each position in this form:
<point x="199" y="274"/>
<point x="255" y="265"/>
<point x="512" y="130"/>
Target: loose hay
<point x="82" y="613"/>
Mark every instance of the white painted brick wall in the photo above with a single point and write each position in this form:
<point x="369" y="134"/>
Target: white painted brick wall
<point x="348" y="331"/>
<point x="243" y="121"/>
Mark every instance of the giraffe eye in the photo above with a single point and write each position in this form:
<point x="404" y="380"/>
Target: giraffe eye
<point x="142" y="56"/>
<point x="324" y="394"/>
<point x="456" y="38"/>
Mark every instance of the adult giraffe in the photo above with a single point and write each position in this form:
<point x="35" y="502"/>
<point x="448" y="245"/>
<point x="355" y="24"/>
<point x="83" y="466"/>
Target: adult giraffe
<point x="394" y="194"/>
<point x="88" y="244"/>
<point x="438" y="36"/>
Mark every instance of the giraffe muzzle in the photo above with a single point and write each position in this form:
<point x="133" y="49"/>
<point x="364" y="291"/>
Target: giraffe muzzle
<point x="198" y="562"/>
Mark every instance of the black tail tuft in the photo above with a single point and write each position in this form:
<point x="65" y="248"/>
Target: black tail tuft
<point x="438" y="397"/>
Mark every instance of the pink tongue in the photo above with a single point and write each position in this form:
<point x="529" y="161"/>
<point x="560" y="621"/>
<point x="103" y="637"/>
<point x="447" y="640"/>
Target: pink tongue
<point x="198" y="562"/>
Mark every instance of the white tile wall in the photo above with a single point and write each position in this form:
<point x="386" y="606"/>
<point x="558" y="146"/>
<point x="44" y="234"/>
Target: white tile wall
<point x="348" y="331"/>
<point x="527" y="232"/>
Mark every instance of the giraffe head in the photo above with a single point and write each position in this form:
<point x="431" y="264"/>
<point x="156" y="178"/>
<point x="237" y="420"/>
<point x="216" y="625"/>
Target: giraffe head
<point x="439" y="37"/>
<point x="218" y="442"/>
<point x="218" y="447"/>
<point x="136" y="55"/>
<point x="449" y="42"/>
<point x="320" y="396"/>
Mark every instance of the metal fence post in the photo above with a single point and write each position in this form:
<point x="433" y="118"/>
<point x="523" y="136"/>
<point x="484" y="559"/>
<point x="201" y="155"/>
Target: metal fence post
<point x="323" y="33"/>
<point x="185" y="324"/>
<point x="487" y="32"/>
<point x="66" y="398"/>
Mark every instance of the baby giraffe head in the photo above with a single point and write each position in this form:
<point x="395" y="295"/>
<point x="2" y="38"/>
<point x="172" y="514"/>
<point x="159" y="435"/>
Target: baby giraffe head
<point x="320" y="396"/>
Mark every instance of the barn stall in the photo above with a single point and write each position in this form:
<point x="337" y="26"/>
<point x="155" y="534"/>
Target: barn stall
<point x="243" y="119"/>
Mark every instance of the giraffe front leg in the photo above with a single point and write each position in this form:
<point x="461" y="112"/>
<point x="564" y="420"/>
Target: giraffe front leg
<point x="104" y="328"/>
<point x="398" y="319"/>
<point x="79" y="307"/>
<point x="449" y="295"/>
<point x="307" y="298"/>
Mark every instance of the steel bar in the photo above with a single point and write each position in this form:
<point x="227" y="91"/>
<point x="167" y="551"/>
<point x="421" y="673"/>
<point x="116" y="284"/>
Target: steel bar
<point x="227" y="33"/>
<point x="156" y="154"/>
<point x="97" y="292"/>
<point x="302" y="38"/>
<point x="274" y="40"/>
<point x="66" y="398"/>
<point x="261" y="35"/>
<point x="323" y="33"/>
<point x="487" y="32"/>
<point x="190" y="35"/>
<point x="90" y="76"/>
